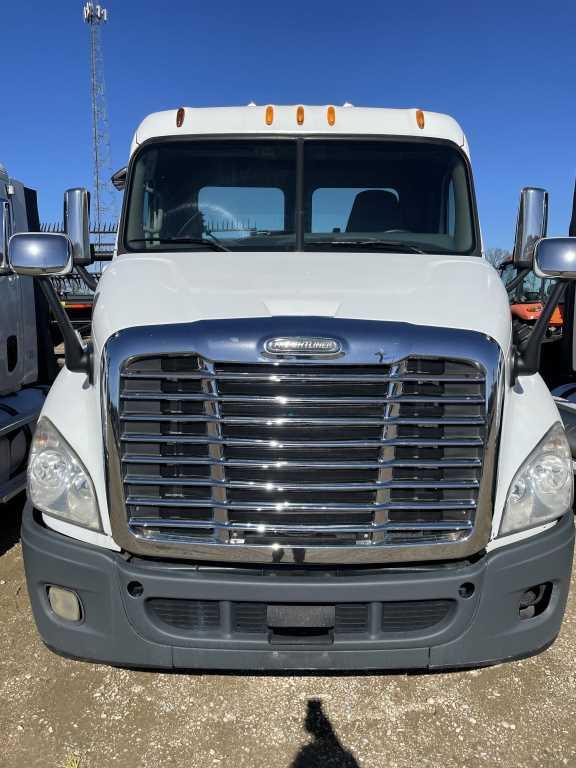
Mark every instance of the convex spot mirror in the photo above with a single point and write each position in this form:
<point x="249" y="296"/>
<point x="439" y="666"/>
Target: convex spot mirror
<point x="40" y="253"/>
<point x="556" y="257"/>
<point x="531" y="225"/>
<point x="77" y="224"/>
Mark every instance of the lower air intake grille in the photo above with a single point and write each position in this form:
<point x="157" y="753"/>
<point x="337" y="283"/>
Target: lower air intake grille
<point x="205" y="616"/>
<point x="190" y="615"/>
<point x="414" y="615"/>
<point x="301" y="454"/>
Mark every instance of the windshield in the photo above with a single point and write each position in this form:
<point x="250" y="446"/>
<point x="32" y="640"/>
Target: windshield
<point x="293" y="194"/>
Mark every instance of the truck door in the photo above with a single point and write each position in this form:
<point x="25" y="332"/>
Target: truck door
<point x="18" y="352"/>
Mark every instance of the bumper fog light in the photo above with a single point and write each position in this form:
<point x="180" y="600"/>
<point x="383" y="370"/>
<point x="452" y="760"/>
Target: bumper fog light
<point x="65" y="603"/>
<point x="535" y="600"/>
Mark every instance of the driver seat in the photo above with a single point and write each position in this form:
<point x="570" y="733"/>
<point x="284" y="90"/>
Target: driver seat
<point x="375" y="210"/>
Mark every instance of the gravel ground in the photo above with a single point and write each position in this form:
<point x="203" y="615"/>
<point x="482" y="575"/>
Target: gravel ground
<point x="66" y="714"/>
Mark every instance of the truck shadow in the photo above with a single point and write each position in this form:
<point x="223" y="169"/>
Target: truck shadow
<point x="11" y="517"/>
<point x="325" y="748"/>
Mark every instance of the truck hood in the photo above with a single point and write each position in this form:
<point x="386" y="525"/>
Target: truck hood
<point x="421" y="289"/>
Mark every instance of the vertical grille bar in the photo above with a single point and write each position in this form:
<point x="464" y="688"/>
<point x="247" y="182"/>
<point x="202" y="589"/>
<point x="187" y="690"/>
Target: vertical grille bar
<point x="386" y="471"/>
<point x="216" y="452"/>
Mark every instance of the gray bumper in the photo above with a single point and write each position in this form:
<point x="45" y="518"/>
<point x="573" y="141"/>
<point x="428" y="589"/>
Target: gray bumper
<point x="117" y="628"/>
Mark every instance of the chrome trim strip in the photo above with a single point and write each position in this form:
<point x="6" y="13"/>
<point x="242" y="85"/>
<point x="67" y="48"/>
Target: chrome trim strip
<point x="287" y="465"/>
<point x="135" y="501"/>
<point x="216" y="453"/>
<point x="304" y="377"/>
<point x="292" y="400"/>
<point x="368" y="342"/>
<point x="146" y="522"/>
<point x="422" y="442"/>
<point x="305" y="422"/>
<point x="254" y="485"/>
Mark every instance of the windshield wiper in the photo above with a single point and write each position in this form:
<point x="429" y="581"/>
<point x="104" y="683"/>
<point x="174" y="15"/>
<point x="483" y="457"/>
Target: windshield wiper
<point x="213" y="243"/>
<point x="389" y="245"/>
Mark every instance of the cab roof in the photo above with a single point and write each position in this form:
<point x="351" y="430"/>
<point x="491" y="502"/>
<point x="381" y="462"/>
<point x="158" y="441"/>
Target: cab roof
<point x="270" y="119"/>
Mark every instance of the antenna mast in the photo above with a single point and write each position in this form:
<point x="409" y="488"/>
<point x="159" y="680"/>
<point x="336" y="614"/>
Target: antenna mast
<point x="103" y="200"/>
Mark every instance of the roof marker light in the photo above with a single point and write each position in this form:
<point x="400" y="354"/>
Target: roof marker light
<point x="420" y="118"/>
<point x="331" y="115"/>
<point x="269" y="115"/>
<point x="300" y="115"/>
<point x="180" y="117"/>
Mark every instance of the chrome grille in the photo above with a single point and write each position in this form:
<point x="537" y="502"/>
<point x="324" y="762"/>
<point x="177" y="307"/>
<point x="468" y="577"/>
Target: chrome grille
<point x="301" y="454"/>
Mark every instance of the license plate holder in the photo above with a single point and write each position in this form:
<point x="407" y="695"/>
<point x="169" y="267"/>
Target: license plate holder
<point x="301" y="616"/>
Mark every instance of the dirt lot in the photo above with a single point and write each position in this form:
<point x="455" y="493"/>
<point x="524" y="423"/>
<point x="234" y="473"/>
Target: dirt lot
<point x="63" y="714"/>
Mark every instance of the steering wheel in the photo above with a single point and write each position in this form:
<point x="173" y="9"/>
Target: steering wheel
<point x="188" y="222"/>
<point x="219" y="212"/>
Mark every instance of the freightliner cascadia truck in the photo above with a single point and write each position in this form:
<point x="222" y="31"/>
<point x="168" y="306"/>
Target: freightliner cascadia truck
<point x="297" y="438"/>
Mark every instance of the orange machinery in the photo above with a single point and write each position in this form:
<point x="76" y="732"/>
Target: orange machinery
<point x="528" y="298"/>
<point x="529" y="312"/>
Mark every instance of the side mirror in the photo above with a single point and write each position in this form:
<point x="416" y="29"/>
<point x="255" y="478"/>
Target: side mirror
<point x="40" y="253"/>
<point x="531" y="225"/>
<point x="556" y="257"/>
<point x="119" y="178"/>
<point x="77" y="224"/>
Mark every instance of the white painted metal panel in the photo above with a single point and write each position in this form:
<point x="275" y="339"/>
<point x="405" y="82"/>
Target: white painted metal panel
<point x="252" y="119"/>
<point x="421" y="289"/>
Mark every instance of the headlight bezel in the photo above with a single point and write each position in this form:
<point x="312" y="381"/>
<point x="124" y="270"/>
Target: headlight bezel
<point x="554" y="449"/>
<point x="78" y="476"/>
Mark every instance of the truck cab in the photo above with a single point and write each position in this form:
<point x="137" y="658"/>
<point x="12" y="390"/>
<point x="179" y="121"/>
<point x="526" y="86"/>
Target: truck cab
<point x="280" y="452"/>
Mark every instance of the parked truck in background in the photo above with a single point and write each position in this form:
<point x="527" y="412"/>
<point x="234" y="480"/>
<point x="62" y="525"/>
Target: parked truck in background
<point x="280" y="453"/>
<point x="559" y="369"/>
<point x="25" y="365"/>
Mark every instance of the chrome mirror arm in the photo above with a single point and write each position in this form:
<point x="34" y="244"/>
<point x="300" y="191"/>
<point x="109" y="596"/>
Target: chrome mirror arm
<point x="526" y="357"/>
<point x="88" y="279"/>
<point x="78" y="356"/>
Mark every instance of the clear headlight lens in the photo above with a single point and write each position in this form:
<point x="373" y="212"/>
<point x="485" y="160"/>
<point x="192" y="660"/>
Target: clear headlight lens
<point x="58" y="483"/>
<point x="542" y="489"/>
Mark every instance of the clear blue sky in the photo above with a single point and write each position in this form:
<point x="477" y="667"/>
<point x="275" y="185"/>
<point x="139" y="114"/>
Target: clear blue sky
<point x="506" y="70"/>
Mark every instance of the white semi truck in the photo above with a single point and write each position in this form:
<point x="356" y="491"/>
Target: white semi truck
<point x="298" y="439"/>
<point x="25" y="349"/>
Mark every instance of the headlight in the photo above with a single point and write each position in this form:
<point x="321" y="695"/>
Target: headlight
<point x="58" y="483"/>
<point x="542" y="488"/>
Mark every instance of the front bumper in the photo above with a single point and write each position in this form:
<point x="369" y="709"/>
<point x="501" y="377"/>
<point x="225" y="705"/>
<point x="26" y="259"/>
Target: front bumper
<point x="118" y="628"/>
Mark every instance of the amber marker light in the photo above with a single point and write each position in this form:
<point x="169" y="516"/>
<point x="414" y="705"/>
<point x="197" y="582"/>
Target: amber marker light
<point x="180" y="117"/>
<point x="331" y="115"/>
<point x="420" y="118"/>
<point x="300" y="115"/>
<point x="269" y="115"/>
